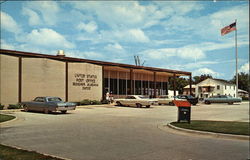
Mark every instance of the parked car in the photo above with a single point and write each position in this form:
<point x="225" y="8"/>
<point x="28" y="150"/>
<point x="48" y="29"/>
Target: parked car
<point x="189" y="98"/>
<point x="222" y="99"/>
<point x="48" y="104"/>
<point x="166" y="99"/>
<point x="135" y="101"/>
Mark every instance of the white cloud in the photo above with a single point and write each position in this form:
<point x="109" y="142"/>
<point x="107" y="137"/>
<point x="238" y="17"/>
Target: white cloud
<point x="121" y="15"/>
<point x="88" y="27"/>
<point x="114" y="47"/>
<point x="131" y="35"/>
<point x="190" y="53"/>
<point x="138" y="34"/>
<point x="5" y="45"/>
<point x="9" y="24"/>
<point x="207" y="26"/>
<point x="49" y="10"/>
<point x="33" y="16"/>
<point x="46" y="37"/>
<point x="184" y="53"/>
<point x="206" y="71"/>
<point x="159" y="53"/>
<point x="84" y="54"/>
<point x="244" y="68"/>
<point x="178" y="7"/>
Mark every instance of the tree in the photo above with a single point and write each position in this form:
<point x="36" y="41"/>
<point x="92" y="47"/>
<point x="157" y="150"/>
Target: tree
<point x="198" y="79"/>
<point x="243" y="81"/>
<point x="180" y="83"/>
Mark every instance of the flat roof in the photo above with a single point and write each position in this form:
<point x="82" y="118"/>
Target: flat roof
<point x="103" y="63"/>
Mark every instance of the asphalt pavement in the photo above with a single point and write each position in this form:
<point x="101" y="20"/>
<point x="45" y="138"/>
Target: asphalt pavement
<point x="124" y="133"/>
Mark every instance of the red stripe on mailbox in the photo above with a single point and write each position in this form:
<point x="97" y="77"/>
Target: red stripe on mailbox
<point x="179" y="103"/>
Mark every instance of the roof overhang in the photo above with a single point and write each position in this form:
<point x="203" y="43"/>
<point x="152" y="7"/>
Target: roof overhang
<point x="119" y="66"/>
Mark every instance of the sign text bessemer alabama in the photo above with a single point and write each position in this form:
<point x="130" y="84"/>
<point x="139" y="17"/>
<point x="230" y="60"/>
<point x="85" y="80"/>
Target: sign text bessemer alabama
<point x="86" y="81"/>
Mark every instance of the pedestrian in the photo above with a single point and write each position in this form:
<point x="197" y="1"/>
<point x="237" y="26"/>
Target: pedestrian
<point x="108" y="96"/>
<point x="111" y="97"/>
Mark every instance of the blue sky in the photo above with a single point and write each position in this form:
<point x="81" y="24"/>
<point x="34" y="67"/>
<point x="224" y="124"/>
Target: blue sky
<point x="180" y="35"/>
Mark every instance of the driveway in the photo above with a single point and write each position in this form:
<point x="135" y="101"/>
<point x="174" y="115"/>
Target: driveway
<point x="123" y="133"/>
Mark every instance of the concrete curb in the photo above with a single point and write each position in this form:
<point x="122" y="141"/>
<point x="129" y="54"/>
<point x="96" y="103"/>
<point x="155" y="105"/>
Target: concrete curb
<point x="10" y="110"/>
<point x="217" y="135"/>
<point x="53" y="156"/>
<point x="7" y="122"/>
<point x="100" y="105"/>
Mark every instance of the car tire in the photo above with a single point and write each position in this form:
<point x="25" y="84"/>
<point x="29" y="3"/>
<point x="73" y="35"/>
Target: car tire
<point x="230" y="103"/>
<point x="46" y="111"/>
<point x="138" y="105"/>
<point x="207" y="102"/>
<point x="63" y="112"/>
<point x="159" y="103"/>
<point x="171" y="103"/>
<point x="25" y="107"/>
<point x="148" y="106"/>
<point x="118" y="103"/>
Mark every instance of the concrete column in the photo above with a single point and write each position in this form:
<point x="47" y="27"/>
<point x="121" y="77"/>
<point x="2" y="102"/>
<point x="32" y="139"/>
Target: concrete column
<point x="20" y="79"/>
<point x="67" y="81"/>
<point x="154" y="84"/>
<point x="131" y="82"/>
<point x="174" y="86"/>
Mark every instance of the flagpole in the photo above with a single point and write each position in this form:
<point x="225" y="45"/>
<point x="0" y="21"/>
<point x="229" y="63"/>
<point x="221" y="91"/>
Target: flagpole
<point x="236" y="54"/>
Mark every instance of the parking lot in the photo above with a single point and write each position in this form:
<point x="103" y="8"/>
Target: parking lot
<point x="112" y="133"/>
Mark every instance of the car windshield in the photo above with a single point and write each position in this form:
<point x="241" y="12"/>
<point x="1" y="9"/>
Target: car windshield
<point x="54" y="99"/>
<point x="189" y="96"/>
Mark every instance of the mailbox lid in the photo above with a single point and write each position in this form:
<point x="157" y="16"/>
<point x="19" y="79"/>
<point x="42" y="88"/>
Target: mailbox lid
<point x="182" y="103"/>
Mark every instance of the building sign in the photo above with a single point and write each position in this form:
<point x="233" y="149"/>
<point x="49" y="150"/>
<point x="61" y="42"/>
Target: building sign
<point x="85" y="81"/>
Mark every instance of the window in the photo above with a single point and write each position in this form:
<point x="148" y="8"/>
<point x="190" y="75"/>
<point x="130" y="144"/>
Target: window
<point x="54" y="99"/>
<point x="218" y="86"/>
<point x="39" y="99"/>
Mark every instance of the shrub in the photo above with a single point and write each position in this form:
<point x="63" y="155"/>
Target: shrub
<point x="245" y="98"/>
<point x="85" y="102"/>
<point x="1" y="106"/>
<point x="95" y="102"/>
<point x="14" y="106"/>
<point x="105" y="101"/>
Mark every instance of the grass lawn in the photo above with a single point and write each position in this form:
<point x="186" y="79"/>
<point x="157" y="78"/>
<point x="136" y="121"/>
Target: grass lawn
<point x="4" y="118"/>
<point x="238" y="128"/>
<point x="9" y="153"/>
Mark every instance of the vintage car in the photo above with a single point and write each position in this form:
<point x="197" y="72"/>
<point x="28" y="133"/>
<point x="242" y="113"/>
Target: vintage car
<point x="222" y="99"/>
<point x="48" y="104"/>
<point x="165" y="99"/>
<point x="189" y="98"/>
<point x="135" y="101"/>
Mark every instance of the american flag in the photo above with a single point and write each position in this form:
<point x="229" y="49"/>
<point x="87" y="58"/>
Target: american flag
<point x="228" y="29"/>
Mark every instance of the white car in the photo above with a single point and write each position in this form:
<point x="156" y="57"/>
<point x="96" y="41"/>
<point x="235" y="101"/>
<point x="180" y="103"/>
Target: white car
<point x="166" y="99"/>
<point x="135" y="101"/>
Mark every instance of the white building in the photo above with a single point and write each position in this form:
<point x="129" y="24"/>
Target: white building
<point x="186" y="90"/>
<point x="211" y="87"/>
<point x="171" y="93"/>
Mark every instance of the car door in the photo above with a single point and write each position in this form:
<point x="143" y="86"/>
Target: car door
<point x="39" y="104"/>
<point x="219" y="99"/>
<point x="132" y="101"/>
